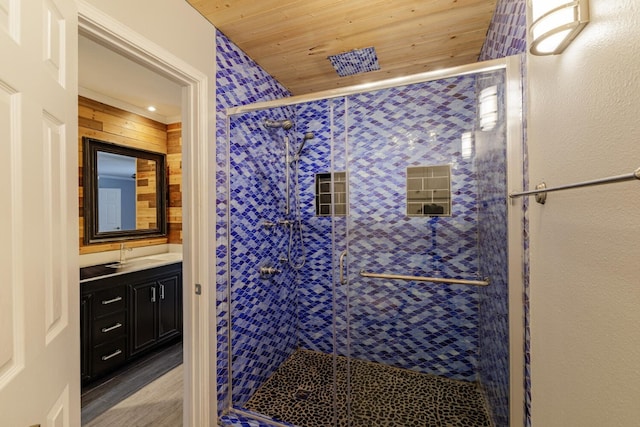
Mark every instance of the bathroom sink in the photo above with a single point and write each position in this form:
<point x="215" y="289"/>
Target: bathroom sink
<point x="133" y="264"/>
<point x="95" y="271"/>
<point x="167" y="256"/>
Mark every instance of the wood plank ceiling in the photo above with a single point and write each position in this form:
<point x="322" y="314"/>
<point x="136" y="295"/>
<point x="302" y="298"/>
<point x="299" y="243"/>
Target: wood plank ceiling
<point x="291" y="39"/>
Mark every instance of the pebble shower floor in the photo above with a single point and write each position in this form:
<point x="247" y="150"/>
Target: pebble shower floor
<point x="301" y="393"/>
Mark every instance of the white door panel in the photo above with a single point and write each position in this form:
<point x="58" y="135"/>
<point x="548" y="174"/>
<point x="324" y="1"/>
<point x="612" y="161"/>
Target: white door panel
<point x="39" y="299"/>
<point x="109" y="209"/>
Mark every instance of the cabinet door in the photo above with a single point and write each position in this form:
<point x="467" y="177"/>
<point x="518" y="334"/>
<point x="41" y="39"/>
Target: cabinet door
<point x="85" y="337"/>
<point x="170" y="306"/>
<point x="143" y="302"/>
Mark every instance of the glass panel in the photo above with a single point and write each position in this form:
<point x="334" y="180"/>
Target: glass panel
<point x="411" y="341"/>
<point x="311" y="204"/>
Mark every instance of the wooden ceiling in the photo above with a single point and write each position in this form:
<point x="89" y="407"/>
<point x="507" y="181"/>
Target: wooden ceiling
<point x="291" y="39"/>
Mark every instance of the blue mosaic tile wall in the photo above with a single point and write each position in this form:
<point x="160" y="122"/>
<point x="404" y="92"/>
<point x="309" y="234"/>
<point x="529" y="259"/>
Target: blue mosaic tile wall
<point x="315" y="280"/>
<point x="425" y="327"/>
<point x="420" y="326"/>
<point x="264" y="318"/>
<point x="238" y="420"/>
<point x="493" y="331"/>
<point x="507" y="34"/>
<point x="239" y="81"/>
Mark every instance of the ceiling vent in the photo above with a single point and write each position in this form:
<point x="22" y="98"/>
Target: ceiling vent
<point x="355" y="61"/>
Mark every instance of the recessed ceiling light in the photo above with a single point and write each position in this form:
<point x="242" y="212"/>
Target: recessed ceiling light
<point x="151" y="108"/>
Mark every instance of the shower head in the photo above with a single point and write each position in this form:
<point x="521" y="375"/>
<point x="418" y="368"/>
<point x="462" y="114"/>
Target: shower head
<point x="307" y="136"/>
<point x="285" y="124"/>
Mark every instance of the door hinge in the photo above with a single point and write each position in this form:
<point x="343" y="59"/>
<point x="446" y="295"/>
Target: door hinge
<point x="198" y="289"/>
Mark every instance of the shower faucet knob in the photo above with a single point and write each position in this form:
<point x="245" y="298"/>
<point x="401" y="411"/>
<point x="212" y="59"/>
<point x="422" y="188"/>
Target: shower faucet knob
<point x="268" y="271"/>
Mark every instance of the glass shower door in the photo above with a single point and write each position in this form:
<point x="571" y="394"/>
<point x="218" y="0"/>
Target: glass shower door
<point x="401" y="181"/>
<point x="413" y="210"/>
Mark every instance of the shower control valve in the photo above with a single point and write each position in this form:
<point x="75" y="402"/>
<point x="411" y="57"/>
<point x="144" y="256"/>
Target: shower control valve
<point x="269" y="271"/>
<point x="285" y="222"/>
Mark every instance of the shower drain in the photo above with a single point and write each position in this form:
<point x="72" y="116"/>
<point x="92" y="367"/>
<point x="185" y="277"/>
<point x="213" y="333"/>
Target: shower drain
<point x="302" y="394"/>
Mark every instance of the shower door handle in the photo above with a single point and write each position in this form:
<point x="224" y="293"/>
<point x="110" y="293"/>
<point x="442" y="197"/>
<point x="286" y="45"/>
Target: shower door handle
<point x="341" y="267"/>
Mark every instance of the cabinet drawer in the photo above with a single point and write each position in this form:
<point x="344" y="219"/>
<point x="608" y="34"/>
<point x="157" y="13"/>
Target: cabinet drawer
<point x="108" y="301"/>
<point x="108" y="356"/>
<point x="108" y="328"/>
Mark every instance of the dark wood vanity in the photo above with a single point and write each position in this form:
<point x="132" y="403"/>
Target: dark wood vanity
<point x="124" y="316"/>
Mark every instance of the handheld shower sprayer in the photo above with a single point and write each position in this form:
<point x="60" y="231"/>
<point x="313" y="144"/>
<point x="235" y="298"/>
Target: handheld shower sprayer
<point x="296" y="262"/>
<point x="307" y="136"/>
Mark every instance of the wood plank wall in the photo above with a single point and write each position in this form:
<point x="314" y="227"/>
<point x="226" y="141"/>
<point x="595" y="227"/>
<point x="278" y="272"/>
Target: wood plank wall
<point x="146" y="198"/>
<point x="174" y="164"/>
<point x="107" y="123"/>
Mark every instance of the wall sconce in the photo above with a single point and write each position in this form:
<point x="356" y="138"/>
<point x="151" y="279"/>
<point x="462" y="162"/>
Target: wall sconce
<point x="555" y="24"/>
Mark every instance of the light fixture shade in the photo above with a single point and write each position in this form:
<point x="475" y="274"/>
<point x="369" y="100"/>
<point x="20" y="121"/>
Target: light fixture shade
<point x="555" y="24"/>
<point x="488" y="110"/>
<point x="466" y="145"/>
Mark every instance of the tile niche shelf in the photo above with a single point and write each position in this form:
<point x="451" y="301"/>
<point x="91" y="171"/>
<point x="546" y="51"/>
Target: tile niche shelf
<point x="331" y="193"/>
<point x="429" y="190"/>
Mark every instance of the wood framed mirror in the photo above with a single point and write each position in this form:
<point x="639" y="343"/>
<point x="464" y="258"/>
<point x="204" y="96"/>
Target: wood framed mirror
<point x="124" y="192"/>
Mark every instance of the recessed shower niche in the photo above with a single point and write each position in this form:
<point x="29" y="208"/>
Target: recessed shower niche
<point x="429" y="190"/>
<point x="331" y="193"/>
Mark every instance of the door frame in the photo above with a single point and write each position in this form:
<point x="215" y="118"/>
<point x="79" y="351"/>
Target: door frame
<point x="198" y="158"/>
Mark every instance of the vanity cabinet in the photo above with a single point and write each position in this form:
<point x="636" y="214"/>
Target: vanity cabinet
<point x="156" y="312"/>
<point x="85" y="336"/>
<point x="125" y="315"/>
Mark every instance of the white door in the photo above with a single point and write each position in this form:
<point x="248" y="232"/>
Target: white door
<point x="109" y="209"/>
<point x="39" y="295"/>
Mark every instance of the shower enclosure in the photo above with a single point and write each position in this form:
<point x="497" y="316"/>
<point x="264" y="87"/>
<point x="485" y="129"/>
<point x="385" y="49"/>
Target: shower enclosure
<point x="344" y="213"/>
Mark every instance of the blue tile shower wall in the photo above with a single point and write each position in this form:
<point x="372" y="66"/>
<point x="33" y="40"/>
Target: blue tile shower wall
<point x="507" y="34"/>
<point x="315" y="281"/>
<point x="264" y="318"/>
<point x="239" y="81"/>
<point x="493" y="331"/>
<point x="420" y="326"/>
<point x="429" y="328"/>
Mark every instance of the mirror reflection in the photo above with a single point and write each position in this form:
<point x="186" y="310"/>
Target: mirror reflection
<point x="124" y="192"/>
<point x="116" y="192"/>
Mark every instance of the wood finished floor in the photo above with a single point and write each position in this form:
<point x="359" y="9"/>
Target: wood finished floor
<point x="144" y="379"/>
<point x="158" y="404"/>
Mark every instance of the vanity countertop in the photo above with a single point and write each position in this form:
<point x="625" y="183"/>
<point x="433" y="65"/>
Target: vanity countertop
<point x="95" y="272"/>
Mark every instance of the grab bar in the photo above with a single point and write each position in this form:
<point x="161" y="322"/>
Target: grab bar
<point x="484" y="282"/>
<point x="542" y="190"/>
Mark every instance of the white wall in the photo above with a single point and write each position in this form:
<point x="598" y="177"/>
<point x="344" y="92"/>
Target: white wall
<point x="172" y="24"/>
<point x="584" y="123"/>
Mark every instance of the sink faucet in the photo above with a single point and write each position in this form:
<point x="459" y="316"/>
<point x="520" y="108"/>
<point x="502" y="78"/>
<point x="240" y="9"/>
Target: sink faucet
<point x="123" y="253"/>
